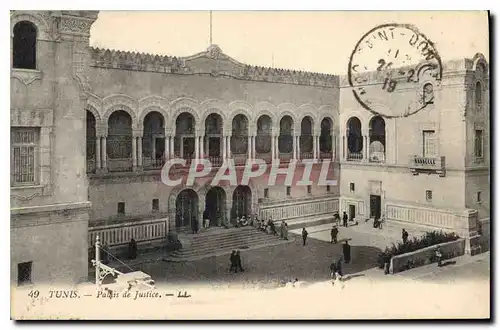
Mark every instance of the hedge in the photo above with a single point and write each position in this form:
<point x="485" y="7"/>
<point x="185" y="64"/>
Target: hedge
<point x="416" y="243"/>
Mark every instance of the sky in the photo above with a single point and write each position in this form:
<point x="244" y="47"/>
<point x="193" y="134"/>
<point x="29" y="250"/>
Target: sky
<point x="318" y="41"/>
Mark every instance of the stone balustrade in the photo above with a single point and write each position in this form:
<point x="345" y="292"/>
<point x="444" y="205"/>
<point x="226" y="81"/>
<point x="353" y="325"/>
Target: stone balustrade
<point x="290" y="209"/>
<point x="122" y="233"/>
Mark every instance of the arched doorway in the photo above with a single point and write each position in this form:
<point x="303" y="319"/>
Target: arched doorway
<point x="119" y="142"/>
<point x="325" y="139"/>
<point x="354" y="139"/>
<point x="213" y="138"/>
<point x="215" y="206"/>
<point x="306" y="138"/>
<point x="184" y="141"/>
<point x="153" y="141"/>
<point x="377" y="139"/>
<point x="263" y="139"/>
<point x="285" y="139"/>
<point x="242" y="202"/>
<point x="186" y="209"/>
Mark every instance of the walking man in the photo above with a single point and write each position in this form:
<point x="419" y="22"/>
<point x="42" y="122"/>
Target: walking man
<point x="232" y="259"/>
<point x="334" y="233"/>
<point x="439" y="256"/>
<point x="344" y="219"/>
<point x="304" y="236"/>
<point x="346" y="249"/>
<point x="404" y="235"/>
<point x="238" y="261"/>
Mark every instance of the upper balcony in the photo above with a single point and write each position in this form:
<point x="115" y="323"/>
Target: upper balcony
<point x="429" y="165"/>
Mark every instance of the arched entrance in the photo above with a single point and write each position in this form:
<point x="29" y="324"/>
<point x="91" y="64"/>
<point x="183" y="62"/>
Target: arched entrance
<point x="186" y="209"/>
<point x="215" y="206"/>
<point x="242" y="202"/>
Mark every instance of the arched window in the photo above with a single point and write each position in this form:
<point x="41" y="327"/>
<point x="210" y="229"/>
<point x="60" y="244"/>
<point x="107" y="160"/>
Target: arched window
<point x="24" y="46"/>
<point x="479" y="96"/>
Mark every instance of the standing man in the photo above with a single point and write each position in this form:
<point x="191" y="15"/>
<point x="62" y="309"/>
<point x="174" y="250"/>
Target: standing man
<point x="334" y="233"/>
<point x="344" y="219"/>
<point x="304" y="236"/>
<point x="346" y="249"/>
<point x="404" y="235"/>
<point x="439" y="256"/>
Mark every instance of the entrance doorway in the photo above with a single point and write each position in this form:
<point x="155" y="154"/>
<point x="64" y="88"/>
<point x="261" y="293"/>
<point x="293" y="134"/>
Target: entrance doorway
<point x="242" y="202"/>
<point x="159" y="147"/>
<point x="186" y="209"/>
<point x="352" y="211"/>
<point x="375" y="206"/>
<point x="215" y="206"/>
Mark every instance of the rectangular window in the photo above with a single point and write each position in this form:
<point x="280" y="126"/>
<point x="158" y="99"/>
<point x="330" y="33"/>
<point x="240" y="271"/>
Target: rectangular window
<point x="327" y="188"/>
<point x="156" y="205"/>
<point x="266" y="193"/>
<point x="121" y="208"/>
<point x="429" y="144"/>
<point x="24" y="147"/>
<point x="288" y="191"/>
<point x="428" y="195"/>
<point x="479" y="197"/>
<point x="309" y="189"/>
<point x="351" y="187"/>
<point x="24" y="273"/>
<point x="478" y="143"/>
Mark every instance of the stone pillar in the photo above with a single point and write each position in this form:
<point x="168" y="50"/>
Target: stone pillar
<point x="273" y="148"/>
<point x="201" y="209"/>
<point x="254" y="154"/>
<point x="298" y="147"/>
<point x="229" y="206"/>
<point x="366" y="148"/>
<point x="249" y="143"/>
<point x="134" y="152"/>
<point x="98" y="153"/>
<point x="196" y="147"/>
<point x="139" y="151"/>
<point x="172" y="152"/>
<point x="228" y="147"/>
<point x="276" y="146"/>
<point x="333" y="147"/>
<point x="202" y="145"/>
<point x="166" y="155"/>
<point x="224" y="148"/>
<point x="315" y="148"/>
<point x="104" y="158"/>
<point x="343" y="149"/>
<point x="181" y="147"/>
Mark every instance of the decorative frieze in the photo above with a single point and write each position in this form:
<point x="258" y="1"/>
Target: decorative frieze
<point x="224" y="66"/>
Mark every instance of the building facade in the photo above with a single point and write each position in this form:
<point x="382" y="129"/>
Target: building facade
<point x="92" y="129"/>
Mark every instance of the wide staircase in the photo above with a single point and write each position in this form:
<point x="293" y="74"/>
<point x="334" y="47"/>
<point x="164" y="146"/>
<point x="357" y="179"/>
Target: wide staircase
<point x="220" y="241"/>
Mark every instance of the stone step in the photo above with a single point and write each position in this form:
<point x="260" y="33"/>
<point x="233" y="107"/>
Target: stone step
<point x="224" y="251"/>
<point x="209" y="242"/>
<point x="233" y="245"/>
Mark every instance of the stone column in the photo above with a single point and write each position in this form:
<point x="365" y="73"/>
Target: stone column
<point x="104" y="158"/>
<point x="166" y="155"/>
<point x="202" y="145"/>
<point x="139" y="151"/>
<point x="172" y="152"/>
<point x="229" y="206"/>
<point x="298" y="147"/>
<point x="333" y="147"/>
<point x="98" y="153"/>
<point x="276" y="146"/>
<point x="229" y="147"/>
<point x="249" y="147"/>
<point x="134" y="152"/>
<point x="201" y="208"/>
<point x="181" y="147"/>
<point x="253" y="147"/>
<point x="224" y="148"/>
<point x="365" y="148"/>
<point x="315" y="148"/>
<point x="273" y="148"/>
<point x="196" y="147"/>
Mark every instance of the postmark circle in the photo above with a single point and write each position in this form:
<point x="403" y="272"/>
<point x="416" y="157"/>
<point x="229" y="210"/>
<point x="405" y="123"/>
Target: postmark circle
<point x="394" y="70"/>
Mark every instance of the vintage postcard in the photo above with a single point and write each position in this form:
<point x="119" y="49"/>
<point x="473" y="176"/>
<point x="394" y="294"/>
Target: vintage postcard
<point x="249" y="165"/>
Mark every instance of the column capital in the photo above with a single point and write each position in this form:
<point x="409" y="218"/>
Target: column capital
<point x="137" y="133"/>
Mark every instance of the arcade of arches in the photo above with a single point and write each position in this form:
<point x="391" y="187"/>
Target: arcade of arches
<point x="192" y="206"/>
<point x="356" y="140"/>
<point x="116" y="145"/>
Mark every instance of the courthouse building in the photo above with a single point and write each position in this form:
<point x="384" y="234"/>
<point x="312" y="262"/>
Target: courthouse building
<point x="92" y="128"/>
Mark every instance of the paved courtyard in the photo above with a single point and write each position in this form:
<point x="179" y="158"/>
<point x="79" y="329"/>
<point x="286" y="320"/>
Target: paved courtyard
<point x="268" y="267"/>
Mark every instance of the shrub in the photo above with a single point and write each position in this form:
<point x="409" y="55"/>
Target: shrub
<point x="415" y="243"/>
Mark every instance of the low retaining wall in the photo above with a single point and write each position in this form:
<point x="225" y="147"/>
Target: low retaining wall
<point x="426" y="256"/>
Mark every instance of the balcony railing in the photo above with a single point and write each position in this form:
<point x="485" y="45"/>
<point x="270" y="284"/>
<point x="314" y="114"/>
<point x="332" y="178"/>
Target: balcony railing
<point x="354" y="156"/>
<point x="240" y="160"/>
<point x="285" y="157"/>
<point x="267" y="157"/>
<point x="120" y="165"/>
<point x="215" y="161"/>
<point x="325" y="155"/>
<point x="428" y="164"/>
<point x="152" y="163"/>
<point x="306" y="155"/>
<point x="377" y="157"/>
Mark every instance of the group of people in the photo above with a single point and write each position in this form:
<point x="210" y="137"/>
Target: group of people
<point x="345" y="219"/>
<point x="235" y="260"/>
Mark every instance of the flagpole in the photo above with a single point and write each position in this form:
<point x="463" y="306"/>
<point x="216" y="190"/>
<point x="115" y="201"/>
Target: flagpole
<point x="210" y="27"/>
